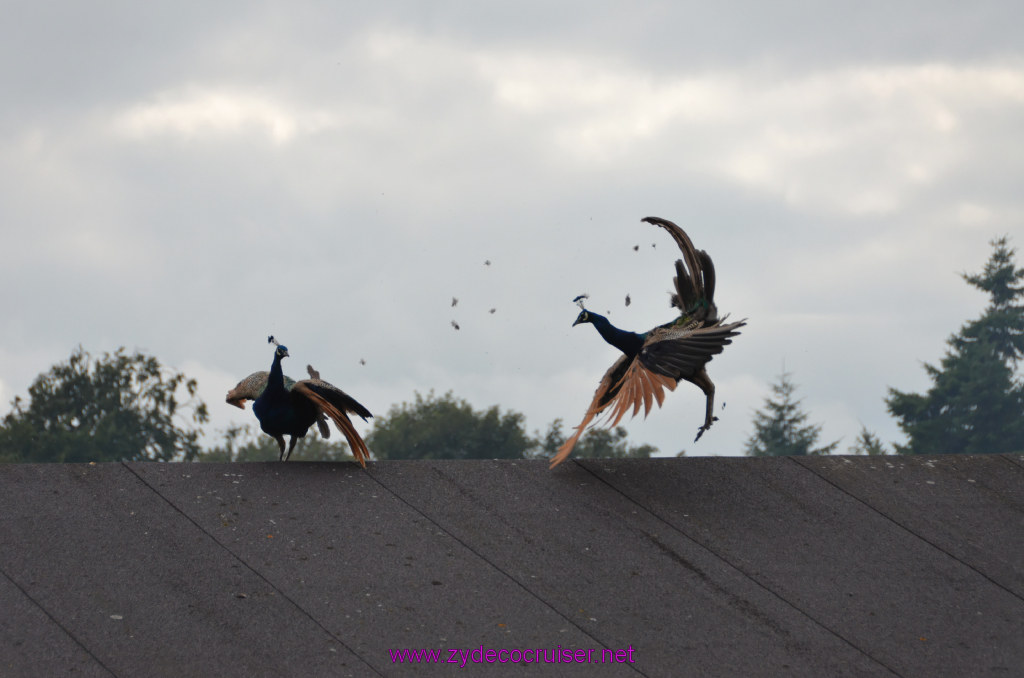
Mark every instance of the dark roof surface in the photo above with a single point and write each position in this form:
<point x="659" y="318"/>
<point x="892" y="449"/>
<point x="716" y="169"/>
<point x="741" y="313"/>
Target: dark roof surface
<point x="818" y="566"/>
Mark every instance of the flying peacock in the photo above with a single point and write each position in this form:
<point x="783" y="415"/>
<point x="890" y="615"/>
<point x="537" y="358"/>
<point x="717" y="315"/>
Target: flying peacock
<point x="662" y="357"/>
<point x="287" y="407"/>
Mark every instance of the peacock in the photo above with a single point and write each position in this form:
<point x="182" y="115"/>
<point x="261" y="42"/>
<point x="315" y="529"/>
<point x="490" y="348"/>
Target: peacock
<point x="252" y="386"/>
<point x="660" y="358"/>
<point x="288" y="407"/>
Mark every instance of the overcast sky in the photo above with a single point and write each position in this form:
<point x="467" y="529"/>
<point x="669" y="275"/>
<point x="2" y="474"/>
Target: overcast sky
<point x="186" y="178"/>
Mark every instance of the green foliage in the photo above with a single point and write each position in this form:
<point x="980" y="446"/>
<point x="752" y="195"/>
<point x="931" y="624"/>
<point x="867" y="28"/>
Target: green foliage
<point x="116" y="407"/>
<point x="976" y="402"/>
<point x="779" y="429"/>
<point x="867" y="443"/>
<point x="447" y="428"/>
<point x="244" y="443"/>
<point x="597" y="443"/>
<point x="434" y="427"/>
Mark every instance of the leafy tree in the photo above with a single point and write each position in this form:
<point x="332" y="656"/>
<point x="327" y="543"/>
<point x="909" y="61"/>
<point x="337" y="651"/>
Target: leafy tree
<point x="597" y="443"/>
<point x="779" y="429"/>
<point x="244" y="443"/>
<point x="867" y="443"/>
<point x="447" y="428"/>
<point x="116" y="407"/>
<point x="976" y="403"/>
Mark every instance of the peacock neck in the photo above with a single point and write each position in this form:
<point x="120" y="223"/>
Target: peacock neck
<point x="629" y="343"/>
<point x="275" y="381"/>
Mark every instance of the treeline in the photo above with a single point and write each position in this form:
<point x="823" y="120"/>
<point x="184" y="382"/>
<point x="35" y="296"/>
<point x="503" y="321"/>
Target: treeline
<point x="975" y="404"/>
<point x="121" y="406"/>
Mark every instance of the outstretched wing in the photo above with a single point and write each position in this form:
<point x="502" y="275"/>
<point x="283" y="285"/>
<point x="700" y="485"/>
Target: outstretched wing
<point x="680" y="352"/>
<point x="670" y="354"/>
<point x="251" y="387"/>
<point x="626" y="385"/>
<point x="335" y="403"/>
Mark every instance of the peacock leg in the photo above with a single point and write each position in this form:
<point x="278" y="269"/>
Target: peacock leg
<point x="703" y="381"/>
<point x="291" y="447"/>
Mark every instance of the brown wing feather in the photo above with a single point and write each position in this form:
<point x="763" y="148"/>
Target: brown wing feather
<point x="247" y="389"/>
<point x="639" y="388"/>
<point x="606" y="391"/>
<point x="694" y="281"/>
<point x="627" y="384"/>
<point x="340" y="419"/>
<point x="708" y="273"/>
<point x="251" y="387"/>
<point x="337" y="397"/>
<point x="321" y="420"/>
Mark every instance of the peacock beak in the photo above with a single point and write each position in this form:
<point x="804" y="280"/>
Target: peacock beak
<point x="576" y="322"/>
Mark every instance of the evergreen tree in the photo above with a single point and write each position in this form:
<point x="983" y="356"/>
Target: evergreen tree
<point x="779" y="428"/>
<point x="867" y="443"/>
<point x="976" y="402"/>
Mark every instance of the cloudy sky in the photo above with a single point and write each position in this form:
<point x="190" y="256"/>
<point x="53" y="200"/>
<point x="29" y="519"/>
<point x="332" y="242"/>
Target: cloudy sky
<point x="186" y="178"/>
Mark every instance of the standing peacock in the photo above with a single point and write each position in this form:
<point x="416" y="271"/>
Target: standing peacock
<point x="287" y="407"/>
<point x="662" y="357"/>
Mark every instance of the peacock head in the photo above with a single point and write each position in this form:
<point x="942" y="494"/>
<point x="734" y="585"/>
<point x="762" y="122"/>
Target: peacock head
<point x="281" y="351"/>
<point x="584" y="316"/>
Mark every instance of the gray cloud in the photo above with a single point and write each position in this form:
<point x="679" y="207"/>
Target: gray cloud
<point x="188" y="182"/>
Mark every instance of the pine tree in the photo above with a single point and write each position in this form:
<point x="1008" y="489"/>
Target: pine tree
<point x="867" y="443"/>
<point x="779" y="428"/>
<point x="976" y="402"/>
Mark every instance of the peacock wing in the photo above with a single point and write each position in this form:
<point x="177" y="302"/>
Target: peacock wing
<point x="626" y="385"/>
<point x="251" y="387"/>
<point x="321" y="419"/>
<point x="335" y="396"/>
<point x="639" y="387"/>
<point x="695" y="275"/>
<point x="326" y="398"/>
<point x="681" y="351"/>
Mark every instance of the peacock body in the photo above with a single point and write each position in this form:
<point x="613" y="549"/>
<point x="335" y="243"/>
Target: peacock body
<point x="659" y="359"/>
<point x="285" y="407"/>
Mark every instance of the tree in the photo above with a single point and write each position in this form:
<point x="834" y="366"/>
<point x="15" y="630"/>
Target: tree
<point x="976" y="403"/>
<point x="447" y="428"/>
<point x="116" y="407"/>
<point x="597" y="443"/>
<point x="867" y="443"/>
<point x="778" y="429"/>
<point x="244" y="443"/>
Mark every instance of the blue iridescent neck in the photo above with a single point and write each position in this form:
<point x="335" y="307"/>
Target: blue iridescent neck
<point x="275" y="381"/>
<point x="629" y="343"/>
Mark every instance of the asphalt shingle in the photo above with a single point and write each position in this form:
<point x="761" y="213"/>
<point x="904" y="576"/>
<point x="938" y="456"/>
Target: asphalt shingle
<point x="863" y="566"/>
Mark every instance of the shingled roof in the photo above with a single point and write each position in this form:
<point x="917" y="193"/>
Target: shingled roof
<point x="822" y="566"/>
